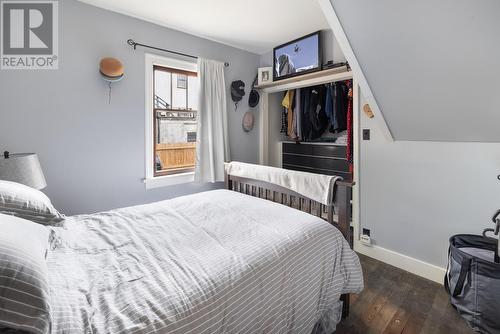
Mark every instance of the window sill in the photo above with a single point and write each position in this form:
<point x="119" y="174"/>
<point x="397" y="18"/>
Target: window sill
<point x="168" y="180"/>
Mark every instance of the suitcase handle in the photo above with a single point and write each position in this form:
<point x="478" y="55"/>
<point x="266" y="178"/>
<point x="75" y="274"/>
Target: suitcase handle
<point x="486" y="230"/>
<point x="495" y="231"/>
<point x="464" y="270"/>
<point x="495" y="216"/>
<point x="461" y="279"/>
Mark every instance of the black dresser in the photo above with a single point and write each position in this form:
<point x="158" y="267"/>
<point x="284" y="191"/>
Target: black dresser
<point x="321" y="158"/>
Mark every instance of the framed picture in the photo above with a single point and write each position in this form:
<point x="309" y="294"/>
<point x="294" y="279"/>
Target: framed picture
<point x="300" y="56"/>
<point x="265" y="75"/>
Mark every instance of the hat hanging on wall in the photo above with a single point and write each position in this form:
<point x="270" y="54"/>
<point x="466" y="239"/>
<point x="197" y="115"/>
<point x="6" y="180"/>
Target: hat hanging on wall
<point x="248" y="121"/>
<point x="111" y="70"/>
<point x="237" y="92"/>
<point x="253" y="97"/>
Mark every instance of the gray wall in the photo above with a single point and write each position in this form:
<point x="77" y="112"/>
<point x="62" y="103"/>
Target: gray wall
<point x="92" y="153"/>
<point x="432" y="65"/>
<point x="415" y="195"/>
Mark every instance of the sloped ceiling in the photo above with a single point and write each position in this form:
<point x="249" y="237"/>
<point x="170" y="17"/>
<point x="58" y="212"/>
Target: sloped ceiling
<point x="433" y="66"/>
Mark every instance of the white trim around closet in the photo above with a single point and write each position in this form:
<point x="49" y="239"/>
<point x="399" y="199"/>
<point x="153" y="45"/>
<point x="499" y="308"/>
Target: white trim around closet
<point x="264" y="129"/>
<point x="356" y="138"/>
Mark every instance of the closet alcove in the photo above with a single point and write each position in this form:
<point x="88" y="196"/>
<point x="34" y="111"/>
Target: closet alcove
<point x="323" y="155"/>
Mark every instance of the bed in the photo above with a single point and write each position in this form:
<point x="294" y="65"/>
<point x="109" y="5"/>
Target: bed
<point x="235" y="260"/>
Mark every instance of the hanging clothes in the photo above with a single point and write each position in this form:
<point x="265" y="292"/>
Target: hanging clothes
<point x="323" y="118"/>
<point x="308" y="113"/>
<point x="329" y="106"/>
<point x="316" y="112"/>
<point x="291" y="132"/>
<point x="299" y="110"/>
<point x="287" y="112"/>
<point x="305" y="125"/>
<point x="284" y="122"/>
<point x="335" y="124"/>
<point x="336" y="106"/>
<point x="284" y="117"/>
<point x="341" y="101"/>
<point x="314" y="120"/>
<point x="294" y="134"/>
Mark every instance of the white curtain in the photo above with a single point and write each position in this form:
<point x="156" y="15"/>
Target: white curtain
<point x="212" y="145"/>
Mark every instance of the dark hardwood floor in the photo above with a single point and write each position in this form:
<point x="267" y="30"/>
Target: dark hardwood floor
<point x="395" y="301"/>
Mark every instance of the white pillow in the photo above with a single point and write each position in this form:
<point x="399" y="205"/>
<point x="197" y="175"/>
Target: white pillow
<point x="24" y="288"/>
<point x="25" y="202"/>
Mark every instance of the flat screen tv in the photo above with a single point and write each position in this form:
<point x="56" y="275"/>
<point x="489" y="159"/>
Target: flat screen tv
<point x="300" y="56"/>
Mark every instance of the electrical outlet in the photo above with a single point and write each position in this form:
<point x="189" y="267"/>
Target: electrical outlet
<point x="366" y="134"/>
<point x="366" y="240"/>
<point x="365" y="237"/>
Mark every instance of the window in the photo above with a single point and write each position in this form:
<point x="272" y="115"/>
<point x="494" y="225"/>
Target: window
<point x="171" y="111"/>
<point x="174" y="113"/>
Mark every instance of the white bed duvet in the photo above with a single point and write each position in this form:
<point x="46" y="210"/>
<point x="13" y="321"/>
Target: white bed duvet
<point x="213" y="262"/>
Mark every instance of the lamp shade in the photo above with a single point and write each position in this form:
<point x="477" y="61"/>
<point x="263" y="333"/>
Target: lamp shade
<point x="22" y="168"/>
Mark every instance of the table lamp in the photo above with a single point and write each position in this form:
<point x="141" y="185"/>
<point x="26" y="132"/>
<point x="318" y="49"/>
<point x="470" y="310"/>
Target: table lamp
<point x="22" y="168"/>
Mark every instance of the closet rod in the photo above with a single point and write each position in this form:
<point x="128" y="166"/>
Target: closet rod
<point x="136" y="44"/>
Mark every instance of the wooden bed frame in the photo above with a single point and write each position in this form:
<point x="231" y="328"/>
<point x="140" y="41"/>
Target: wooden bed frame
<point x="295" y="200"/>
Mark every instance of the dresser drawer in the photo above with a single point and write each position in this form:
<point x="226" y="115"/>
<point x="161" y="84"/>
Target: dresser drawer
<point x="317" y="162"/>
<point x="315" y="150"/>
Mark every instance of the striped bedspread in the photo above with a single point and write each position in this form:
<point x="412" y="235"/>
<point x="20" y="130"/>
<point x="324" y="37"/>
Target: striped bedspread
<point x="213" y="262"/>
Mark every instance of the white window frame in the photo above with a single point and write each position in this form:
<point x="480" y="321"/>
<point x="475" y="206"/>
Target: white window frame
<point x="150" y="180"/>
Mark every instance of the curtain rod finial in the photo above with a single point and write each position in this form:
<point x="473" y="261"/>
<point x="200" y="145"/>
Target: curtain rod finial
<point x="131" y="42"/>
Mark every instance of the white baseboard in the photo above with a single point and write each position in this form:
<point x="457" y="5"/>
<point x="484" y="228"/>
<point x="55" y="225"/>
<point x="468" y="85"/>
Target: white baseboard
<point x="412" y="265"/>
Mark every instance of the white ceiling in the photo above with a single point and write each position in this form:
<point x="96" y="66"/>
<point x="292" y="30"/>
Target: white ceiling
<point x="256" y="26"/>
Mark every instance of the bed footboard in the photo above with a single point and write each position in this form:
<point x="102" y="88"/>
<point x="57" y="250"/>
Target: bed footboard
<point x="338" y="215"/>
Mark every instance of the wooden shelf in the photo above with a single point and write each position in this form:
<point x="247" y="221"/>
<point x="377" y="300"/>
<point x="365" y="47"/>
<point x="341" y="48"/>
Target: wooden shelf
<point x="310" y="79"/>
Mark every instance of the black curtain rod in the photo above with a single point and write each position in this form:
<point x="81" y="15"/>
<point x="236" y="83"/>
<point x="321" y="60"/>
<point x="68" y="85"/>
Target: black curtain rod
<point x="135" y="45"/>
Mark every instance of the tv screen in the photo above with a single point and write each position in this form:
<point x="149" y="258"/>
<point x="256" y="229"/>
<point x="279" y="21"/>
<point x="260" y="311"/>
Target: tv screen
<point x="297" y="57"/>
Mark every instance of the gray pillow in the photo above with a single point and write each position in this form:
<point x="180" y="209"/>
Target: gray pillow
<point x="25" y="202"/>
<point x="24" y="290"/>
